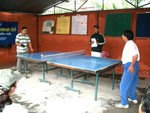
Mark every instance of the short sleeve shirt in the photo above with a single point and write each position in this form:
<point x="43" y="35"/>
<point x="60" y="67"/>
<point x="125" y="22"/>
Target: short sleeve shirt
<point x="130" y="50"/>
<point x="22" y="39"/>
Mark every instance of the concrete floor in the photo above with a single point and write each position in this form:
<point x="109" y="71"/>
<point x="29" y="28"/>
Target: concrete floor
<point x="132" y="109"/>
<point x="57" y="99"/>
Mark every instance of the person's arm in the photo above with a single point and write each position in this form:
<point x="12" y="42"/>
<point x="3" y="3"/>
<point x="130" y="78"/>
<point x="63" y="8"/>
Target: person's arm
<point x="134" y="59"/>
<point x="30" y="45"/>
<point x="18" y="43"/>
<point x="103" y="40"/>
<point x="140" y="110"/>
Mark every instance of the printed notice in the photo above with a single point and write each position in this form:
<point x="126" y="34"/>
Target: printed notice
<point x="94" y="44"/>
<point x="48" y="27"/>
<point x="79" y="24"/>
<point x="63" y="25"/>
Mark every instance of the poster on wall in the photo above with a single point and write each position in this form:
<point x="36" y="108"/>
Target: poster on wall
<point x="63" y="25"/>
<point x="48" y="27"/>
<point x="8" y="32"/>
<point x="79" y="24"/>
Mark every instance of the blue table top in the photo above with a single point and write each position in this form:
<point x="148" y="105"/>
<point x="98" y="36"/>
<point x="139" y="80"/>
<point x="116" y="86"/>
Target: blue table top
<point x="86" y="63"/>
<point x="35" y="56"/>
<point x="80" y="62"/>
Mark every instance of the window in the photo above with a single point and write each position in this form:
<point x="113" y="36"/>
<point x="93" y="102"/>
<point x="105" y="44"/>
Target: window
<point x="93" y="5"/>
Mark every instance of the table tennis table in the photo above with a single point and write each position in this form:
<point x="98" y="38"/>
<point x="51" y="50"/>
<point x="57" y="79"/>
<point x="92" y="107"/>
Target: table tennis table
<point x="37" y="57"/>
<point x="76" y="62"/>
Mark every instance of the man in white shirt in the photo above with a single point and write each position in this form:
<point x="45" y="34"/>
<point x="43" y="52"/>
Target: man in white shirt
<point x="129" y="81"/>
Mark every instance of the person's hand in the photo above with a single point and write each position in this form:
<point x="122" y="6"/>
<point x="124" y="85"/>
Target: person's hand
<point x="131" y="69"/>
<point x="22" y="45"/>
<point x="92" y="42"/>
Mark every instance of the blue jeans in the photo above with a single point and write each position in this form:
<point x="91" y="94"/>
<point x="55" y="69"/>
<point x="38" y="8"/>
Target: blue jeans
<point x="129" y="83"/>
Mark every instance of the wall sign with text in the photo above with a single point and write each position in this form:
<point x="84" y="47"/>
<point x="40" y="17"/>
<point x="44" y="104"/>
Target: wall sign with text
<point x="63" y="25"/>
<point x="48" y="27"/>
<point x="8" y="32"/>
<point x="79" y="24"/>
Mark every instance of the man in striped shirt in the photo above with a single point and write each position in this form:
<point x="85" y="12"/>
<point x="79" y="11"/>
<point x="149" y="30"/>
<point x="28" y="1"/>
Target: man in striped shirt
<point x="22" y="42"/>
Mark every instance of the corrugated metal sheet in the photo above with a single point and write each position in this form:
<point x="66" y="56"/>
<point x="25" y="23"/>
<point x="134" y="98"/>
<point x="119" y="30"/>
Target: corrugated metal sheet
<point x="28" y="6"/>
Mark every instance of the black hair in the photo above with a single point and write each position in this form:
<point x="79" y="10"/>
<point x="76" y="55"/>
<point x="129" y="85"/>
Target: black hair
<point x="4" y="97"/>
<point x="96" y="26"/>
<point x="129" y="34"/>
<point x="146" y="102"/>
<point x="24" y="27"/>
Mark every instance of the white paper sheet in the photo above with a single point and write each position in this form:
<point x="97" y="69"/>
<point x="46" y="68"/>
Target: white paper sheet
<point x="94" y="44"/>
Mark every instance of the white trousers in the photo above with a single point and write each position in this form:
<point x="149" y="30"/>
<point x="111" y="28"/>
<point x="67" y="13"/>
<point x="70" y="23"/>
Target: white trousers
<point x="20" y="62"/>
<point x="96" y="54"/>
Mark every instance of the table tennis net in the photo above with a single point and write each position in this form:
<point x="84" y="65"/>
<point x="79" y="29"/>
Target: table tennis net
<point x="63" y="55"/>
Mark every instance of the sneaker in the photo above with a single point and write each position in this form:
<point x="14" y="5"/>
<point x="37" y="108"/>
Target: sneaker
<point x="133" y="101"/>
<point x="121" y="106"/>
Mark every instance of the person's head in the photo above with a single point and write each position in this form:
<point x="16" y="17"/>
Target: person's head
<point x="146" y="102"/>
<point x="127" y="35"/>
<point x="96" y="28"/>
<point x="24" y="30"/>
<point x="8" y="84"/>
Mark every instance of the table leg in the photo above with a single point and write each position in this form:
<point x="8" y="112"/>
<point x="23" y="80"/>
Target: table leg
<point x="96" y="85"/>
<point x="43" y="70"/>
<point x="61" y="73"/>
<point x="72" y="73"/>
<point x="71" y="88"/>
<point x="113" y="79"/>
<point x="44" y="65"/>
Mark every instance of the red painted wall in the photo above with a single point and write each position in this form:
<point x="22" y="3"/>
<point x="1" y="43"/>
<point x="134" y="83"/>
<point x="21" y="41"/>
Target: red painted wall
<point x="55" y="42"/>
<point x="8" y="55"/>
<point x="114" y="45"/>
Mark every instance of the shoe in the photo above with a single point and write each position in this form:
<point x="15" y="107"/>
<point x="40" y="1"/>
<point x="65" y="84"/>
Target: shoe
<point x="133" y="101"/>
<point x="121" y="106"/>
